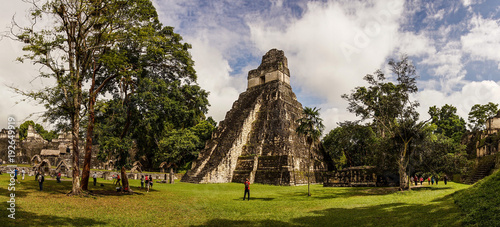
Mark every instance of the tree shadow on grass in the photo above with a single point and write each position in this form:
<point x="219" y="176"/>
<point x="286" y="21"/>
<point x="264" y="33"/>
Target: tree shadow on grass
<point x="391" y="214"/>
<point x="256" y="198"/>
<point x="340" y="192"/>
<point x="439" y="212"/>
<point x="430" y="188"/>
<point x="24" y="218"/>
<point x="226" y="222"/>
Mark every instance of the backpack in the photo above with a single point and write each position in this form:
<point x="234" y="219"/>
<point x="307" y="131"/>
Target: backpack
<point x="247" y="184"/>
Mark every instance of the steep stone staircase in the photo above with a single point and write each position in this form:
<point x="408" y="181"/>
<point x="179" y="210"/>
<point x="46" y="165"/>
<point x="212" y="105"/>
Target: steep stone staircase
<point x="482" y="170"/>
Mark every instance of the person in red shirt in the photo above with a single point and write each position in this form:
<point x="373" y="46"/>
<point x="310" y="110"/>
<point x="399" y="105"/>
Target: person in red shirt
<point x="247" y="190"/>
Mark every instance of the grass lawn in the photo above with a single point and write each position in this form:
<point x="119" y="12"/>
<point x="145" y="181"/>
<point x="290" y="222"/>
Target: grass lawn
<point x="185" y="204"/>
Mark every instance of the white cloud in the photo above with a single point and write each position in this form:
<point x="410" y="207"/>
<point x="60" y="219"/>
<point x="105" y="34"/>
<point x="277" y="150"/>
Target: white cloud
<point x="483" y="40"/>
<point x="213" y="75"/>
<point x="333" y="46"/>
<point x="471" y="93"/>
<point x="447" y="65"/>
<point x="16" y="74"/>
<point x="416" y="45"/>
<point x="467" y="3"/>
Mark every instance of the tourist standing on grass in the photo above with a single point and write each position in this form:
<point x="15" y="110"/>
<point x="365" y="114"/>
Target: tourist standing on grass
<point x="150" y="181"/>
<point x="415" y="178"/>
<point x="95" y="178"/>
<point x="432" y="180"/>
<point x="421" y="180"/>
<point x="429" y="180"/>
<point x="118" y="180"/>
<point x="445" y="179"/>
<point x="142" y="181"/>
<point x="16" y="172"/>
<point x="247" y="190"/>
<point x="437" y="179"/>
<point x="41" y="178"/>
<point x="147" y="183"/>
<point x="23" y="173"/>
<point x="58" y="178"/>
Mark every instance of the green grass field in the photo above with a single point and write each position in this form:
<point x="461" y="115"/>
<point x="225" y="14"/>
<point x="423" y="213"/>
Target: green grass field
<point x="185" y="204"/>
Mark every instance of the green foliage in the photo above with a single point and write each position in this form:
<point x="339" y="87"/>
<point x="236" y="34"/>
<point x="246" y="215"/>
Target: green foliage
<point x="163" y="108"/>
<point x="448" y="122"/>
<point x="351" y="144"/>
<point x="178" y="144"/>
<point x="310" y="125"/>
<point x="46" y="135"/>
<point x="392" y="113"/>
<point x="480" y="203"/>
<point x="385" y="102"/>
<point x="480" y="113"/>
<point x="442" y="155"/>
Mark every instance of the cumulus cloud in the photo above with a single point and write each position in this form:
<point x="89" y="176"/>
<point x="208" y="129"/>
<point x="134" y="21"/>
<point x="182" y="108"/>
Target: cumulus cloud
<point x="471" y="93"/>
<point x="213" y="71"/>
<point x="333" y="46"/>
<point x="16" y="74"/>
<point x="483" y="40"/>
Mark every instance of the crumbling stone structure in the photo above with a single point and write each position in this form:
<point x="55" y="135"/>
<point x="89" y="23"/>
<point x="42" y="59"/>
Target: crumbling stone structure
<point x="257" y="139"/>
<point x="489" y="142"/>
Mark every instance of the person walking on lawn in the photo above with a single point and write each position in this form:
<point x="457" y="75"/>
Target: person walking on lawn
<point x="41" y="178"/>
<point x="247" y="190"/>
<point x="95" y="178"/>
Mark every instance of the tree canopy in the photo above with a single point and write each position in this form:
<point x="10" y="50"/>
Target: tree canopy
<point x="480" y="113"/>
<point x="448" y="122"/>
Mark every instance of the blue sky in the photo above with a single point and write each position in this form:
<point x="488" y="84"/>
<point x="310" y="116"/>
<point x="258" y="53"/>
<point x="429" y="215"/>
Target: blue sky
<point x="330" y="46"/>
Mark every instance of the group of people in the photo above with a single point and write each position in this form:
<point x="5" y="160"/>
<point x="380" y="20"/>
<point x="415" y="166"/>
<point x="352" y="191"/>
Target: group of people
<point x="146" y="181"/>
<point x="430" y="180"/>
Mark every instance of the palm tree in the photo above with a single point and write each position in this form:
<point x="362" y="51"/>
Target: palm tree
<point x="311" y="126"/>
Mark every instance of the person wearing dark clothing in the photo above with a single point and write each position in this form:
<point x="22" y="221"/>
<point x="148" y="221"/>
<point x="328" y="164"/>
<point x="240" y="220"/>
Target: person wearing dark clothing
<point x="58" y="178"/>
<point x="247" y="190"/>
<point x="118" y="180"/>
<point x="40" y="181"/>
<point x="16" y="172"/>
<point x="95" y="178"/>
<point x="142" y="181"/>
<point x="437" y="180"/>
<point x="445" y="179"/>
<point x="150" y="181"/>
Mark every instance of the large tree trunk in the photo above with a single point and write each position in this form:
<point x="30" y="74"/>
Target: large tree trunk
<point x="75" y="97"/>
<point x="402" y="166"/>
<point x="76" y="154"/>
<point x="171" y="175"/>
<point x="125" y="185"/>
<point x="88" y="144"/>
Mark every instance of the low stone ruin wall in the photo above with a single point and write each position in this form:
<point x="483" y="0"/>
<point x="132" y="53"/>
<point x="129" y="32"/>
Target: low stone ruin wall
<point x="352" y="177"/>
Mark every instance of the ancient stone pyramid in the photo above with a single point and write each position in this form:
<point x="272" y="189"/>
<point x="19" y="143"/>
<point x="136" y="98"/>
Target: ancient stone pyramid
<point x="257" y="139"/>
